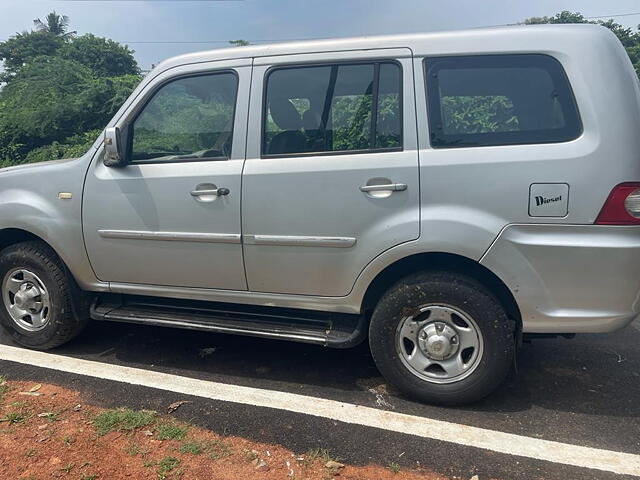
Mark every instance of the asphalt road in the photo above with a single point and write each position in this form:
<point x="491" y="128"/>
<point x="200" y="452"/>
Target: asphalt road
<point x="583" y="391"/>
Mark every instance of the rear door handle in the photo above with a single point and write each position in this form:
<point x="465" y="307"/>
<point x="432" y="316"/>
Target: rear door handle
<point x="218" y="192"/>
<point x="394" y="187"/>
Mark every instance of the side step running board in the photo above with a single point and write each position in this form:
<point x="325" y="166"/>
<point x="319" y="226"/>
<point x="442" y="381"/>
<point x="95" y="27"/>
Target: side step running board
<point x="307" y="326"/>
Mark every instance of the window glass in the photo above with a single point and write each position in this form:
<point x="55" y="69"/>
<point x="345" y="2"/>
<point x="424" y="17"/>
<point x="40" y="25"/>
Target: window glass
<point x="188" y="119"/>
<point x="329" y="108"/>
<point x="351" y="108"/>
<point x="499" y="100"/>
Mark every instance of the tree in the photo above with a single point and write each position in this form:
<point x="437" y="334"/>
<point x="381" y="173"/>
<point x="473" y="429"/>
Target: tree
<point x="53" y="98"/>
<point x="239" y="43"/>
<point x="563" y="17"/>
<point x="103" y="56"/>
<point x="59" y="90"/>
<point x="54" y="24"/>
<point x="23" y="48"/>
<point x="45" y="102"/>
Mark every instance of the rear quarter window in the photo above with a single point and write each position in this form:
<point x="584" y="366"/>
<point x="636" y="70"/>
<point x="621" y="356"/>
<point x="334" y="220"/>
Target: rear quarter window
<point x="490" y="100"/>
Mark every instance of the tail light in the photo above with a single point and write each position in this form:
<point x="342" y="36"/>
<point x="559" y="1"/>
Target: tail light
<point x="622" y="207"/>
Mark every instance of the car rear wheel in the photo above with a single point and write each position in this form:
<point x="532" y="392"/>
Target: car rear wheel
<point x="442" y="338"/>
<point x="42" y="306"/>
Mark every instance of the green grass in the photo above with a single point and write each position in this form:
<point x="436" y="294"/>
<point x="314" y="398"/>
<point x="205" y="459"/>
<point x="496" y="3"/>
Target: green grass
<point x="218" y="449"/>
<point x="88" y="477"/>
<point x="16" y="417"/>
<point x="317" y="453"/>
<point x="133" y="449"/>
<point x="68" y="468"/>
<point x="394" y="467"/>
<point x="193" y="447"/>
<point x="171" y="431"/>
<point x="122" y="419"/>
<point x="166" y="466"/>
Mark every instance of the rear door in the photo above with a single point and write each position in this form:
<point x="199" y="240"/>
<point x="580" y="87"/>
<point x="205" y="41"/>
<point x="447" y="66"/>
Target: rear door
<point x="331" y="176"/>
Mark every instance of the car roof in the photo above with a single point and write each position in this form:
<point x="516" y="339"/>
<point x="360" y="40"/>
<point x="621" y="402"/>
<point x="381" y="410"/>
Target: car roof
<point x="492" y="39"/>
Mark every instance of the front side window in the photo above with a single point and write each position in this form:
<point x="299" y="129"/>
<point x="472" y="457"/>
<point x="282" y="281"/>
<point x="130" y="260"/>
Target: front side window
<point x="188" y="119"/>
<point x="332" y="108"/>
<point x="499" y="100"/>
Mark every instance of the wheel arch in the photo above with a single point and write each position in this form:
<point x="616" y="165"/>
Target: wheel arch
<point x="441" y="261"/>
<point x="12" y="236"/>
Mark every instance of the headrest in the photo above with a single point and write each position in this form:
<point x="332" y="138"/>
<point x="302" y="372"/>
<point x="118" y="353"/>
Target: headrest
<point x="285" y="114"/>
<point x="311" y="120"/>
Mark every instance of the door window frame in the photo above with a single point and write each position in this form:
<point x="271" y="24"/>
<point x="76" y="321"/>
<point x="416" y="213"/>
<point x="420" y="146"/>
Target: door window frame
<point x="375" y="62"/>
<point x="139" y="108"/>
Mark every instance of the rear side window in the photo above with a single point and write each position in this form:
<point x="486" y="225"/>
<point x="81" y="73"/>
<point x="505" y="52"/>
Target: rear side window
<point x="499" y="100"/>
<point x="332" y="108"/>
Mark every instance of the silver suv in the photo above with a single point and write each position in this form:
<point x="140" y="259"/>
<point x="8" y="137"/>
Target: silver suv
<point x="439" y="194"/>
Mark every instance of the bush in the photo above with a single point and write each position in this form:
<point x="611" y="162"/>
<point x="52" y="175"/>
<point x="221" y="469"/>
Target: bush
<point x="74" y="146"/>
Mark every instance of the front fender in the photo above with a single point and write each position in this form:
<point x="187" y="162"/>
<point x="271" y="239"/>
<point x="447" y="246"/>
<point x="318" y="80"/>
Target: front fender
<point x="30" y="200"/>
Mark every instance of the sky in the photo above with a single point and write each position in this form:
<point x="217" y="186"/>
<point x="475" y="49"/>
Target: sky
<point x="183" y="26"/>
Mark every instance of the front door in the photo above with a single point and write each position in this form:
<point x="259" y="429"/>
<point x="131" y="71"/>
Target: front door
<point x="171" y="217"/>
<point x="331" y="176"/>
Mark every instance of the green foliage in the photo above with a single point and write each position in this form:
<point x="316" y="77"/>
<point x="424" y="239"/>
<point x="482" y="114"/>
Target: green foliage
<point x="46" y="101"/>
<point x="218" y="449"/>
<point x="563" y="17"/>
<point x="122" y="419"/>
<point x="394" y="467"/>
<point x="23" y="48"/>
<point x="52" y="99"/>
<point x="171" y="431"/>
<point x="182" y="120"/>
<point x="193" y="447"/>
<point x="59" y="89"/>
<point x="239" y="43"/>
<point x="54" y="24"/>
<point x="351" y="118"/>
<point x="166" y="466"/>
<point x="478" y="114"/>
<point x="72" y="147"/>
<point x="103" y="56"/>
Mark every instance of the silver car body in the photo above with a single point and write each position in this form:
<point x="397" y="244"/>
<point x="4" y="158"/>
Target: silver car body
<point x="298" y="232"/>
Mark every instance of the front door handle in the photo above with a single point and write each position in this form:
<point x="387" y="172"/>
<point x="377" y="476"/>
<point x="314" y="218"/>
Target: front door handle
<point x="217" y="192"/>
<point x="394" y="187"/>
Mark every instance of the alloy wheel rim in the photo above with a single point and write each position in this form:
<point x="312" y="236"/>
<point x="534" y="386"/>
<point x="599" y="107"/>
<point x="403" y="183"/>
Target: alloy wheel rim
<point x="439" y="343"/>
<point x="26" y="299"/>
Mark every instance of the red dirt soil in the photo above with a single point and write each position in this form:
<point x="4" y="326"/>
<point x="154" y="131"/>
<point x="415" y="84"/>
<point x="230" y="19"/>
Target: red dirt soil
<point x="48" y="432"/>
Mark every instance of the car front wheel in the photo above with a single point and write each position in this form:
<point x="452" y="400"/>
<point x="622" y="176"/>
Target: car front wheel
<point x="42" y="307"/>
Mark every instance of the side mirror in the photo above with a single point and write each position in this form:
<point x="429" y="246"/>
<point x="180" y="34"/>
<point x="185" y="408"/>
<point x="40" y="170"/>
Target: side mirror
<point x="113" y="152"/>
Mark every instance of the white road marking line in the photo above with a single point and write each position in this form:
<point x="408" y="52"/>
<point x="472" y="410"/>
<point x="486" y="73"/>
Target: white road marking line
<point x="507" y="443"/>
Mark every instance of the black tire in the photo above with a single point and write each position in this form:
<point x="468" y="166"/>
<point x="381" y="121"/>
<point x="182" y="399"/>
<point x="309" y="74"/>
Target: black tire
<point x="69" y="306"/>
<point x="460" y="292"/>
